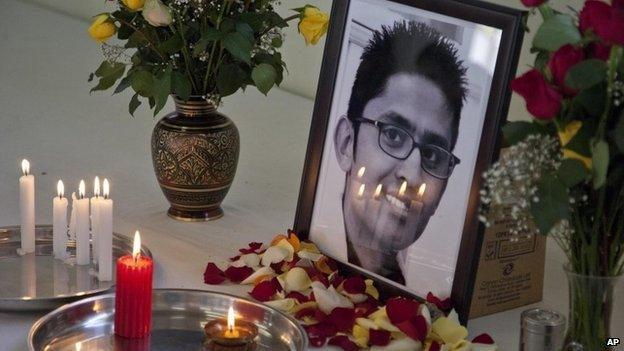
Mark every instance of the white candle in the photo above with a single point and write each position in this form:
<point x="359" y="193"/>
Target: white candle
<point x="27" y="208"/>
<point x="105" y="236"/>
<point x="95" y="217"/>
<point x="82" y="226"/>
<point x="72" y="218"/>
<point x="59" y="223"/>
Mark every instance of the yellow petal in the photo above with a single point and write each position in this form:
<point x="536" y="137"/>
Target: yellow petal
<point x="449" y="330"/>
<point x="306" y="246"/>
<point x="296" y="279"/>
<point x="313" y="24"/>
<point x="371" y="289"/>
<point x="302" y="306"/>
<point x="134" y="4"/>
<point x="379" y="313"/>
<point x="569" y="132"/>
<point x="102" y="28"/>
<point x="384" y="323"/>
<point x="285" y="244"/>
<point x="366" y="323"/>
<point x="569" y="154"/>
<point x="360" y="332"/>
<point x="264" y="271"/>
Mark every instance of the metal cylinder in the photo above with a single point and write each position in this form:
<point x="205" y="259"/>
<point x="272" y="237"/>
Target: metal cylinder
<point x="542" y="330"/>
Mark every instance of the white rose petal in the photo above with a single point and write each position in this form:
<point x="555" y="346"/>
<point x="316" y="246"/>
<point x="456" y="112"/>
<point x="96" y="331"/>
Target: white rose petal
<point x="424" y="311"/>
<point x="405" y="344"/>
<point x="304" y="262"/>
<point x="274" y="254"/>
<point x="328" y="299"/>
<point x="260" y="272"/>
<point x="312" y="256"/>
<point x="366" y="323"/>
<point x="156" y="13"/>
<point x="288" y="247"/>
<point x="296" y="279"/>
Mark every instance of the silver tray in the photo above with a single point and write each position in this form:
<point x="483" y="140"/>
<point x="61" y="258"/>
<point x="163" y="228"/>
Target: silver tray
<point x="178" y="319"/>
<point x="38" y="282"/>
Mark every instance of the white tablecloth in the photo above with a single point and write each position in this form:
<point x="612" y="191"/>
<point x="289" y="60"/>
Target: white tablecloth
<point x="49" y="117"/>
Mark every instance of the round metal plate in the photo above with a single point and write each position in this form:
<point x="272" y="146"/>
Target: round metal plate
<point x="178" y="319"/>
<point x="37" y="282"/>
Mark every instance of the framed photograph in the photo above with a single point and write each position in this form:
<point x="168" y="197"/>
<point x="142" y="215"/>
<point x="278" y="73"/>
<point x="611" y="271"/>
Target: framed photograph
<point x="410" y="102"/>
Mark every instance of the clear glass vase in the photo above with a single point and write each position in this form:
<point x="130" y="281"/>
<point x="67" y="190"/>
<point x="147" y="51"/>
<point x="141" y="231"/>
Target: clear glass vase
<point x="592" y="300"/>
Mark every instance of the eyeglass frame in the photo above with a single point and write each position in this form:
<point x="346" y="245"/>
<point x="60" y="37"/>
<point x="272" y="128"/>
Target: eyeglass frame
<point x="378" y="124"/>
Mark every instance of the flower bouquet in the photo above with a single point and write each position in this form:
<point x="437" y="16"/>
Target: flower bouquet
<point x="347" y="312"/>
<point x="564" y="172"/>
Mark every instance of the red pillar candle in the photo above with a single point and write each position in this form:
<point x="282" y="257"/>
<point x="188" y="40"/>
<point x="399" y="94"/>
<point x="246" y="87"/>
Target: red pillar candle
<point x="133" y="293"/>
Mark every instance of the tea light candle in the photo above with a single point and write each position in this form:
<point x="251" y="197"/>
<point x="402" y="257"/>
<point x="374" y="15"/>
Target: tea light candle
<point x="105" y="235"/>
<point x="82" y="226"/>
<point x="230" y="334"/>
<point x="59" y="223"/>
<point x="27" y="208"/>
<point x="133" y="293"/>
<point x="95" y="217"/>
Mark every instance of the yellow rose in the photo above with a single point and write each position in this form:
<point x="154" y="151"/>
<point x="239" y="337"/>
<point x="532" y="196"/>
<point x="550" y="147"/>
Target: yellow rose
<point x="102" y="28"/>
<point x="313" y="24"/>
<point x="134" y="4"/>
<point x="565" y="136"/>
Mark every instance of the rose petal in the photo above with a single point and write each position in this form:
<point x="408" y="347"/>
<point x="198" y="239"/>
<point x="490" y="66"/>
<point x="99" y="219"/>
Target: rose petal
<point x="317" y="341"/>
<point x="293" y="239"/>
<point x="274" y="254"/>
<point x="329" y="298"/>
<point x="364" y="309"/>
<point x="326" y="265"/>
<point x="301" y="298"/>
<point x="444" y="305"/>
<point x="320" y="329"/>
<point x="250" y="260"/>
<point x="264" y="271"/>
<point x="371" y="289"/>
<point x="282" y="305"/>
<point x="343" y="342"/>
<point x="312" y="256"/>
<point x="254" y="247"/>
<point x="238" y="274"/>
<point x="264" y="291"/>
<point x="401" y="309"/>
<point x="448" y="330"/>
<point x="360" y="336"/>
<point x="434" y="346"/>
<point x="404" y="344"/>
<point x="335" y="279"/>
<point x="378" y="337"/>
<point x="306" y="312"/>
<point x="366" y="323"/>
<point x="483" y="339"/>
<point x="286" y="245"/>
<point x="308" y="246"/>
<point x="354" y="285"/>
<point x="235" y="258"/>
<point x="295" y="279"/>
<point x="303" y="262"/>
<point x="342" y="318"/>
<point x="213" y="275"/>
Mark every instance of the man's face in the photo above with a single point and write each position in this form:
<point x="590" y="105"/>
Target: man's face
<point x="396" y="219"/>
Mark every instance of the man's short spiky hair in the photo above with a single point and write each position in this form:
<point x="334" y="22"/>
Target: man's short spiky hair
<point x="409" y="47"/>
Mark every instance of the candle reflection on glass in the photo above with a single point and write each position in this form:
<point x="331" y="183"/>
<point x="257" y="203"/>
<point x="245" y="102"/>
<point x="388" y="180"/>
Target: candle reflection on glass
<point x="29" y="276"/>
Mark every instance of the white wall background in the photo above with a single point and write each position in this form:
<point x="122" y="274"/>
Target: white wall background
<point x="304" y="63"/>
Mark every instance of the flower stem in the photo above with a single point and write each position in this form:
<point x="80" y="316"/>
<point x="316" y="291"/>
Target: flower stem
<point x="149" y="41"/>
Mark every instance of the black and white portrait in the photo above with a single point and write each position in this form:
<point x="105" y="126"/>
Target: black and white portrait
<point x="402" y="141"/>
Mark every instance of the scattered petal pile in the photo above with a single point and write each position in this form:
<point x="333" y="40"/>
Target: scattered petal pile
<point x="295" y="277"/>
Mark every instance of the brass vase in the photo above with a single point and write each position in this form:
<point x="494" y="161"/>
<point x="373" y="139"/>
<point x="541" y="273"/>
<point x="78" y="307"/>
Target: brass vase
<point x="195" y="153"/>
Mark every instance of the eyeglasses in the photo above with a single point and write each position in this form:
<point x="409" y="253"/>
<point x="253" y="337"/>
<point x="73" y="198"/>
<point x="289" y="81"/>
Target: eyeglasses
<point x="399" y="143"/>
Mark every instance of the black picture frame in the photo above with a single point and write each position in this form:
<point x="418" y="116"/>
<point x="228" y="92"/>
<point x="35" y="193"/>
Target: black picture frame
<point x="511" y="22"/>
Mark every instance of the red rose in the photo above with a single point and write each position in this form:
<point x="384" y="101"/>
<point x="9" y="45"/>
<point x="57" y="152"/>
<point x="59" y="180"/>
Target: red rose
<point x="605" y="20"/>
<point x="618" y="4"/>
<point x="532" y="3"/>
<point x="561" y="61"/>
<point x="542" y="100"/>
<point x="600" y="50"/>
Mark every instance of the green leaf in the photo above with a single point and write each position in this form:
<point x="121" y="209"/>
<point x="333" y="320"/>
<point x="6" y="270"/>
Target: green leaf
<point x="516" y="132"/>
<point x="264" y="76"/>
<point x="571" y="172"/>
<point x="253" y="19"/>
<point x="541" y="59"/>
<point x="618" y="134"/>
<point x="135" y="40"/>
<point x="180" y="85"/>
<point x="109" y="73"/>
<point x="142" y="82"/>
<point x="134" y="103"/>
<point x="171" y="45"/>
<point x="227" y="25"/>
<point x="123" y="84"/>
<point x="552" y="205"/>
<point x="208" y="36"/>
<point x="600" y="162"/>
<point x="124" y="32"/>
<point x="592" y="100"/>
<point x="586" y="74"/>
<point x="581" y="142"/>
<point x="556" y="32"/>
<point x="238" y="46"/>
<point x="230" y="78"/>
<point x="245" y="30"/>
<point x="162" y="89"/>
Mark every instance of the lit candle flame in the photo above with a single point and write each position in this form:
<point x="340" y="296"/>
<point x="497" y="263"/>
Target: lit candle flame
<point x="136" y="247"/>
<point x="81" y="189"/>
<point x="403" y="188"/>
<point x="421" y="190"/>
<point x="96" y="187"/>
<point x="25" y="167"/>
<point x="361" y="172"/>
<point x="78" y="346"/>
<point x="378" y="191"/>
<point x="361" y="190"/>
<point x="60" y="189"/>
<point x="106" y="187"/>
<point x="230" y="319"/>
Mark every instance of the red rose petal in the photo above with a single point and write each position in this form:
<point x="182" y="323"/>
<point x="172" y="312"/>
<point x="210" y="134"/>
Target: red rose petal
<point x="483" y="339"/>
<point x="321" y="329"/>
<point x="434" y="346"/>
<point x="319" y="315"/>
<point x="264" y="291"/>
<point x="400" y="309"/>
<point x="238" y="274"/>
<point x="444" y="305"/>
<point x="277" y="267"/>
<point x="344" y="343"/>
<point x="213" y="275"/>
<point x="306" y="312"/>
<point x="235" y="258"/>
<point x="317" y="341"/>
<point x="364" y="309"/>
<point x="342" y="318"/>
<point x="336" y="280"/>
<point x="378" y="337"/>
<point x="415" y="327"/>
<point x="354" y="285"/>
<point x="542" y="100"/>
<point x="301" y="298"/>
<point x="253" y="247"/>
